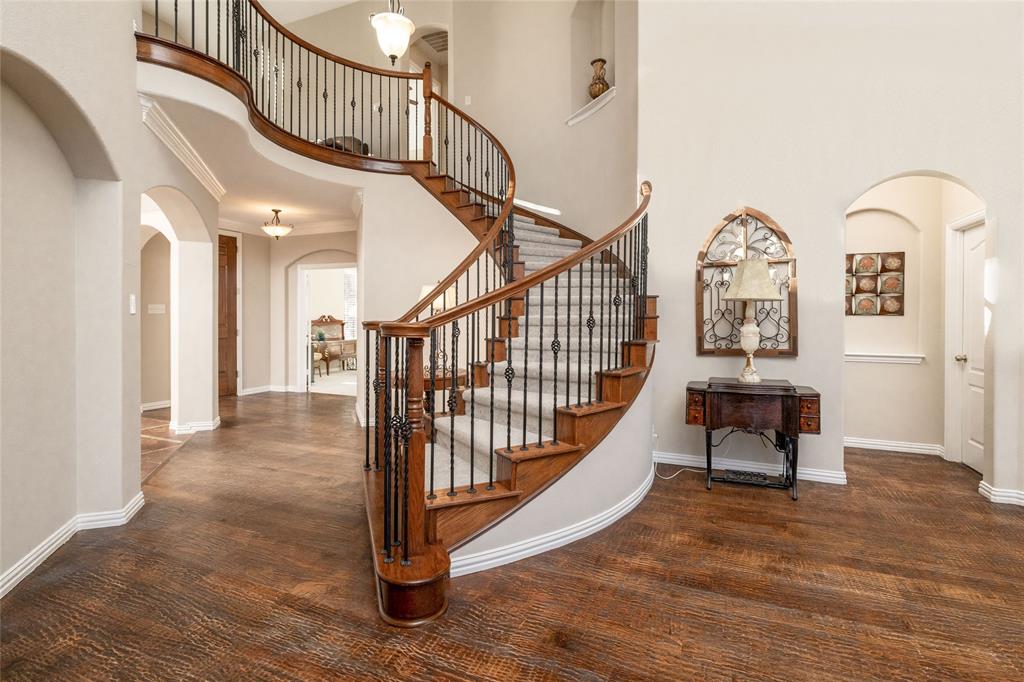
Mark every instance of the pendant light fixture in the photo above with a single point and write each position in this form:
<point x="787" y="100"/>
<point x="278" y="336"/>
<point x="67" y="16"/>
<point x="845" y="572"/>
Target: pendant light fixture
<point x="275" y="228"/>
<point x="393" y="30"/>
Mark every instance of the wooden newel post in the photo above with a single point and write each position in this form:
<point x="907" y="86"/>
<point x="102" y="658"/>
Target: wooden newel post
<point x="428" y="92"/>
<point x="417" y="447"/>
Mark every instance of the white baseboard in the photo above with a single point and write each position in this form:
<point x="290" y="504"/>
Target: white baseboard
<point x="361" y="418"/>
<point x="255" y="389"/>
<point x="895" y="446"/>
<point x="480" y="561"/>
<point x="156" y="405"/>
<point x="803" y="473"/>
<point x="1001" y="495"/>
<point x="194" y="427"/>
<point x="28" y="563"/>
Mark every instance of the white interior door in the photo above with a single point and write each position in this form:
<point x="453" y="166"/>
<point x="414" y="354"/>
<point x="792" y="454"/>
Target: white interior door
<point x="971" y="356"/>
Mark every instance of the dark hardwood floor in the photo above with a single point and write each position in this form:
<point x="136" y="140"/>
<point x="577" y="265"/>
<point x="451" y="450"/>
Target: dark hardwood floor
<point x="250" y="561"/>
<point x="158" y="441"/>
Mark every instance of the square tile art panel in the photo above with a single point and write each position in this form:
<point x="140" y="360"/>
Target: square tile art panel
<point x="875" y="283"/>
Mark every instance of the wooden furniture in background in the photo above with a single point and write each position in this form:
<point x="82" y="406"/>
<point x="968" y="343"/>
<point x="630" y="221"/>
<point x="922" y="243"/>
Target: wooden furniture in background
<point x="227" y="316"/>
<point x="772" y="405"/>
<point x="331" y="346"/>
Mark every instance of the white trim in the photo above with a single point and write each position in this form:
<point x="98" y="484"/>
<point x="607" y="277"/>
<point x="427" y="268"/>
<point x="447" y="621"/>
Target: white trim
<point x="591" y="107"/>
<point x="499" y="556"/>
<point x="969" y="220"/>
<point x="953" y="309"/>
<point x="361" y="418"/>
<point x="118" y="517"/>
<point x="194" y="427"/>
<point x="28" y="563"/>
<point x="155" y="405"/>
<point x="254" y="390"/>
<point x="803" y="473"/>
<point x="895" y="446"/>
<point x="886" y="358"/>
<point x="157" y="120"/>
<point x="1001" y="495"/>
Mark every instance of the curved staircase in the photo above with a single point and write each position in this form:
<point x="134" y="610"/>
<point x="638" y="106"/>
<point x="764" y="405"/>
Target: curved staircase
<point x="517" y="364"/>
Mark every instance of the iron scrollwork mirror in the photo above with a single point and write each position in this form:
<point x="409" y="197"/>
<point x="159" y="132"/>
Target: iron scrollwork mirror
<point x="745" y="233"/>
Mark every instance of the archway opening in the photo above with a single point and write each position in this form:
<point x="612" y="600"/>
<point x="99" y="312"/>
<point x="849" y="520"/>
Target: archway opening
<point x="916" y="319"/>
<point x="186" y="311"/>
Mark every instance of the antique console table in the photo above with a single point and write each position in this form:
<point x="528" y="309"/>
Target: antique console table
<point x="772" y="405"/>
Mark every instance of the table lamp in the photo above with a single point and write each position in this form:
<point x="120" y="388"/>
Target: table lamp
<point x="751" y="282"/>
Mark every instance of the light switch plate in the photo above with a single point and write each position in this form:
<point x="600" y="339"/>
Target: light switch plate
<point x="131" y="304"/>
<point x="469" y="100"/>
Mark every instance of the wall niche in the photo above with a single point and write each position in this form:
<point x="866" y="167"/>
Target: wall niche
<point x="592" y="36"/>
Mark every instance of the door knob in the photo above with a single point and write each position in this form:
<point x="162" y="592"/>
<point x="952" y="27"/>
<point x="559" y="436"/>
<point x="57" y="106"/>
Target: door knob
<point x="960" y="357"/>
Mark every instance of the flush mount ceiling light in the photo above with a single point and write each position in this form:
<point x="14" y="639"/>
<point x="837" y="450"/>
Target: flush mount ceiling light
<point x="275" y="228"/>
<point x="393" y="30"/>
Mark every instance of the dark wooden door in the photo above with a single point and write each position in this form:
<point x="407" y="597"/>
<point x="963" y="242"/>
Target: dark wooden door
<point x="227" y="316"/>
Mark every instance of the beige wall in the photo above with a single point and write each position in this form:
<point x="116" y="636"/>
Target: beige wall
<point x="37" y="362"/>
<point x="514" y="59"/>
<point x="155" y="326"/>
<point x="255" y="254"/>
<point x="819" y="121"/>
<point x="327" y="295"/>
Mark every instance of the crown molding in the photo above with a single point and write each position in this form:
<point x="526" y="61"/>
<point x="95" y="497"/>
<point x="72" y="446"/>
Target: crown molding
<point x="157" y="120"/>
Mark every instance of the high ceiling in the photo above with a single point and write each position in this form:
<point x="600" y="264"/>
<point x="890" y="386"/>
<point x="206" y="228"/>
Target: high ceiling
<point x="255" y="185"/>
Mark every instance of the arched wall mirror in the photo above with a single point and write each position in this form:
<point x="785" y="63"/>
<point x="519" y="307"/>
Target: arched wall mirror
<point x="745" y="233"/>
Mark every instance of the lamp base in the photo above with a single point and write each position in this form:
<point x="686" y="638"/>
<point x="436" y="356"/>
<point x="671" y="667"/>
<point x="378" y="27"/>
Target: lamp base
<point x="749" y="375"/>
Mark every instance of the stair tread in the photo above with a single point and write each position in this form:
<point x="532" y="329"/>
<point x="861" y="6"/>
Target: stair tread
<point x="443" y="500"/>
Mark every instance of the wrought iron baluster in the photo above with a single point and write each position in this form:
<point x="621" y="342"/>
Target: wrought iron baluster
<point x="366" y="396"/>
<point x="388" y="558"/>
<point x="396" y="448"/>
<point x="452" y="404"/>
<point x="568" y="331"/>
<point x="591" y="323"/>
<point x="376" y="400"/>
<point x="617" y="301"/>
<point x="600" y="338"/>
<point x="157" y="19"/>
<point x="431" y="391"/>
<point x="579" y="342"/>
<point x="540" y="375"/>
<point x="406" y="433"/>
<point x="526" y="366"/>
<point x="555" y="347"/>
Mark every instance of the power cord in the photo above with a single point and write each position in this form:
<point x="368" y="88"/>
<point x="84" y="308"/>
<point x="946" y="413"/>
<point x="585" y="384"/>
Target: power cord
<point x="681" y="470"/>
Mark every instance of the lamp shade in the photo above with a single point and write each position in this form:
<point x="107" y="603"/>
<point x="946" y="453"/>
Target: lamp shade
<point x="752" y="282"/>
<point x="274" y="227"/>
<point x="393" y="33"/>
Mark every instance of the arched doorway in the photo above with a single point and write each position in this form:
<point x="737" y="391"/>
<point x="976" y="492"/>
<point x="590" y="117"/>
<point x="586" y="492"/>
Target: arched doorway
<point x="916" y="319"/>
<point x="192" y="307"/>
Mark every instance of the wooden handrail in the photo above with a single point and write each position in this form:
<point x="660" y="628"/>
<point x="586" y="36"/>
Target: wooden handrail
<point x="492" y="234"/>
<point x="324" y="53"/>
<point x="404" y="328"/>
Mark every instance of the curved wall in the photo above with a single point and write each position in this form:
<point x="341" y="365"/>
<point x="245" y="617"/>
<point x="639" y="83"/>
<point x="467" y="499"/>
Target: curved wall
<point x="602" y="488"/>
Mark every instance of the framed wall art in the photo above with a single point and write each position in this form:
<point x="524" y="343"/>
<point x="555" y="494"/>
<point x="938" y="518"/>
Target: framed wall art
<point x="875" y="283"/>
<point x="745" y="233"/>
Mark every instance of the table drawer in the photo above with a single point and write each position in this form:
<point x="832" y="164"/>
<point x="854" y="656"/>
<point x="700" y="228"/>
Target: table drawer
<point x="810" y="424"/>
<point x="810" y="406"/>
<point x="695" y="415"/>
<point x="694" y="399"/>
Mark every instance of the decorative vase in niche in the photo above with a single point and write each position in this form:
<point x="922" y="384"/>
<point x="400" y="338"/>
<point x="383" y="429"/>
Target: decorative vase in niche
<point x="598" y="85"/>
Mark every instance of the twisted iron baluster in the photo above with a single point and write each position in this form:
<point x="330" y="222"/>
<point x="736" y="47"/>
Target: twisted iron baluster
<point x="540" y="375"/>
<point x="452" y="404"/>
<point x="591" y="323"/>
<point x="555" y="347"/>
<point x="432" y="397"/>
<point x="366" y="396"/>
<point x="388" y="558"/>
